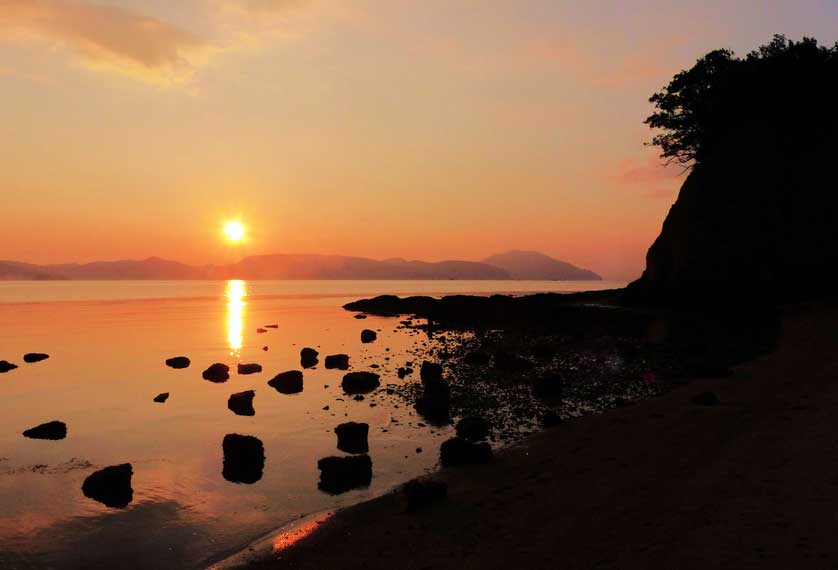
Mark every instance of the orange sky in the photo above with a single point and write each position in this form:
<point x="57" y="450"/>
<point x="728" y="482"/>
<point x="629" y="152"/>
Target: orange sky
<point x="431" y="129"/>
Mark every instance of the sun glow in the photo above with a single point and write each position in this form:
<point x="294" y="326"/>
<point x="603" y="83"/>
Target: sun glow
<point x="234" y="231"/>
<point x="236" y="293"/>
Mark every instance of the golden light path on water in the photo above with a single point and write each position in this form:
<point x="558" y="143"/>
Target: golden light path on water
<point x="236" y="293"/>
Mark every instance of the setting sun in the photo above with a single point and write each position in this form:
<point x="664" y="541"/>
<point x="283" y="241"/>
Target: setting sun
<point x="234" y="231"/>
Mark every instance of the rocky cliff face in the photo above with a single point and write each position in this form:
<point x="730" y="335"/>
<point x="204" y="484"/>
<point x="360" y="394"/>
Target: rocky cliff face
<point x="759" y="218"/>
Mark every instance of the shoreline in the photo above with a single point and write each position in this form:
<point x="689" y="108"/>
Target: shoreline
<point x="661" y="483"/>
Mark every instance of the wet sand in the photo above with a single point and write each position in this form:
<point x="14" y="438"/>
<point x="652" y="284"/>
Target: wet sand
<point x="664" y="483"/>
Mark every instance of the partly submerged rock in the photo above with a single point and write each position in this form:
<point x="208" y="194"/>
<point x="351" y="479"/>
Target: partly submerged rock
<point x="339" y="361"/>
<point x="404" y="371"/>
<point x="473" y="428"/>
<point x="260" y="330"/>
<point x="241" y="403"/>
<point x="424" y="491"/>
<point x="178" y="362"/>
<point x="218" y="372"/>
<point x="308" y="357"/>
<point x="244" y="458"/>
<point x="360" y="382"/>
<point x="290" y="382"/>
<point x="342" y="474"/>
<point x="6" y="366"/>
<point x="458" y="451"/>
<point x="244" y="369"/>
<point x="551" y="419"/>
<point x="360" y="316"/>
<point x="51" y="430"/>
<point x="110" y="486"/>
<point x="368" y="336"/>
<point x="161" y="398"/>
<point x="274" y="326"/>
<point x="477" y="358"/>
<point x="352" y="437"/>
<point x="32" y="357"/>
<point x="430" y="371"/>
<point x="435" y="401"/>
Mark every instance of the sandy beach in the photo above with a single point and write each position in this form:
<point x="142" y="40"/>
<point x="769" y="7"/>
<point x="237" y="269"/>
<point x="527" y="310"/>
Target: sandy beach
<point x="664" y="483"/>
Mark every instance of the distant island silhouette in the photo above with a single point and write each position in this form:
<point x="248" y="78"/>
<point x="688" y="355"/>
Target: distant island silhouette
<point x="510" y="265"/>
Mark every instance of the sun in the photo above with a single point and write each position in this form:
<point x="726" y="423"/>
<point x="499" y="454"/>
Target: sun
<point x="234" y="231"/>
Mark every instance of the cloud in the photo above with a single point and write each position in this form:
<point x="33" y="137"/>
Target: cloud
<point x="657" y="179"/>
<point x="107" y="37"/>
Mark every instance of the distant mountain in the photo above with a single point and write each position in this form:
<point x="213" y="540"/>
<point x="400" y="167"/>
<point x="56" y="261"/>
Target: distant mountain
<point x="17" y="271"/>
<point x="537" y="266"/>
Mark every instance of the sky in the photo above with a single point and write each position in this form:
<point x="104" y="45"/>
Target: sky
<point x="432" y="129"/>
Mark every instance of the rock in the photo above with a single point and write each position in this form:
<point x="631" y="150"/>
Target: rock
<point x="549" y="387"/>
<point x="265" y="348"/>
<point x="430" y="371"/>
<point x="241" y="403"/>
<point x="244" y="369"/>
<point x="551" y="419"/>
<point x="51" y="430"/>
<point x="477" y="358"/>
<point x="360" y="382"/>
<point x="435" y="401"/>
<point x="339" y="361"/>
<point x="473" y="428"/>
<point x="508" y="362"/>
<point x="178" y="362"/>
<point x="359" y="398"/>
<point x="706" y="399"/>
<point x="360" y="316"/>
<point x="342" y="474"/>
<point x="368" y="336"/>
<point x="6" y="366"/>
<point x="110" y="486"/>
<point x="290" y="382"/>
<point x="161" y="398"/>
<point x="274" y="326"/>
<point x="217" y="373"/>
<point x="33" y="357"/>
<point x="308" y="357"/>
<point x="352" y="437"/>
<point x="260" y="330"/>
<point x="457" y="451"/>
<point x="244" y="458"/>
<point x="424" y="491"/>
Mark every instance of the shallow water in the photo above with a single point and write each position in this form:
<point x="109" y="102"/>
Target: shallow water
<point x="107" y="342"/>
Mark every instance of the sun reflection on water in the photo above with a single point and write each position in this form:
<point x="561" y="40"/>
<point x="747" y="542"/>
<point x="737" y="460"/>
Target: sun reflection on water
<point x="236" y="293"/>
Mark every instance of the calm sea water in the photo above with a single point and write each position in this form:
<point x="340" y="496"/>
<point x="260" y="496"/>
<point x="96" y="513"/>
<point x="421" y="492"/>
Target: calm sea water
<point x="107" y="342"/>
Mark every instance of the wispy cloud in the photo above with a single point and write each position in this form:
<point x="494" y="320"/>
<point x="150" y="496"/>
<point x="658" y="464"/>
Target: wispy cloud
<point x="107" y="37"/>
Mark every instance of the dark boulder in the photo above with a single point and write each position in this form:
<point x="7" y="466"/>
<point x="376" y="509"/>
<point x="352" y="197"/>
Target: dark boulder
<point x="161" y="398"/>
<point x="32" y="357"/>
<point x="435" y="401"/>
<point x="424" y="491"/>
<point x="244" y="369"/>
<point x="50" y="430"/>
<point x="430" y="371"/>
<point x="290" y="382"/>
<point x="404" y="371"/>
<point x="308" y="357"/>
<point x="339" y="361"/>
<point x="110" y="486"/>
<point x="551" y="419"/>
<point x="457" y="451"/>
<point x="260" y="330"/>
<point x="241" y="403"/>
<point x="6" y="366"/>
<point x="217" y="373"/>
<point x="477" y="358"/>
<point x="706" y="399"/>
<point x="342" y="474"/>
<point x="368" y="336"/>
<point x="548" y="387"/>
<point x="360" y="382"/>
<point x="178" y="362"/>
<point x="360" y="316"/>
<point x="244" y="458"/>
<point x="473" y="428"/>
<point x="352" y="437"/>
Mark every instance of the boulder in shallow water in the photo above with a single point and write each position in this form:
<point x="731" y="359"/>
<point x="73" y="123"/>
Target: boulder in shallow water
<point x="430" y="371"/>
<point x="241" y="403"/>
<point x="308" y="357"/>
<point x="32" y="357"/>
<point x="339" y="361"/>
<point x="178" y="362"/>
<point x="290" y="382"/>
<point x="360" y="382"/>
<point x="110" y="486"/>
<point x="50" y="430"/>
<point x="6" y="366"/>
<point x="458" y="451"/>
<point x="218" y="372"/>
<point x="473" y="428"/>
<point x="360" y="316"/>
<point x="368" y="336"/>
<point x="352" y="437"/>
<point x="244" y="369"/>
<point x="161" y="398"/>
<point x="244" y="458"/>
<point x="342" y="474"/>
<point x="424" y="491"/>
<point x="551" y="419"/>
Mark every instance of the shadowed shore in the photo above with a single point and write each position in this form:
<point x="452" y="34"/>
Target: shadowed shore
<point x="664" y="483"/>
